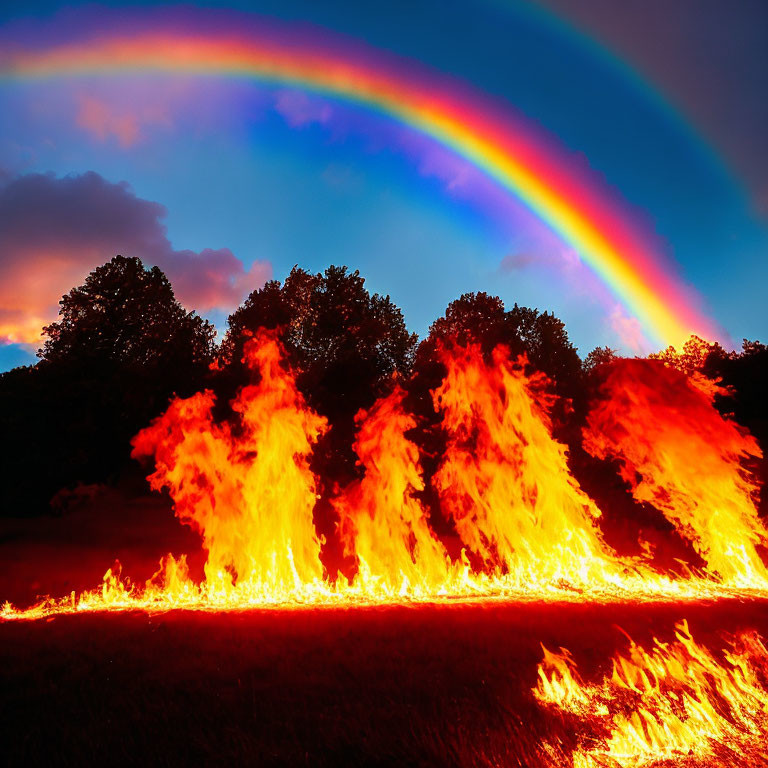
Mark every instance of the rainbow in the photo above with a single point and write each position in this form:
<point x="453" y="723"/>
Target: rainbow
<point x="571" y="202"/>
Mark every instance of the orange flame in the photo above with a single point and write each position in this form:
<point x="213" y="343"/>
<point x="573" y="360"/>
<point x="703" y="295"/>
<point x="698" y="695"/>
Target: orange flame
<point x="505" y="479"/>
<point x="680" y="455"/>
<point x="676" y="702"/>
<point x="245" y="486"/>
<point x="382" y="523"/>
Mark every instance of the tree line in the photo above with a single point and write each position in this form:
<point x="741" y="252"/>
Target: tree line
<point x="123" y="346"/>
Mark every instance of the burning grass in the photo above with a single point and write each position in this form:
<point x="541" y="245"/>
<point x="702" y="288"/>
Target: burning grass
<point x="526" y="528"/>
<point x="434" y="685"/>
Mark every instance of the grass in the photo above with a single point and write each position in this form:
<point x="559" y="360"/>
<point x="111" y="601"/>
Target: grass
<point x="427" y="686"/>
<point x="445" y="685"/>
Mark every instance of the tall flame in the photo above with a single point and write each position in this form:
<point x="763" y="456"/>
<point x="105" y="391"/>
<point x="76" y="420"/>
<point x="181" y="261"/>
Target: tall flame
<point x="381" y="521"/>
<point x="245" y="485"/>
<point x="679" y="454"/>
<point x="676" y="702"/>
<point x="505" y="480"/>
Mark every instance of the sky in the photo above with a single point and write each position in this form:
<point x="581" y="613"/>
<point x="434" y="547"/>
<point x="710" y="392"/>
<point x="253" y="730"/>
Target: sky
<point x="225" y="182"/>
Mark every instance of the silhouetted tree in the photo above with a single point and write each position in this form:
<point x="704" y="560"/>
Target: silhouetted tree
<point x="127" y="314"/>
<point x="691" y="358"/>
<point x="121" y="348"/>
<point x="482" y="319"/>
<point x="343" y="341"/>
<point x="597" y="357"/>
<point x="344" y="344"/>
<point x="745" y="375"/>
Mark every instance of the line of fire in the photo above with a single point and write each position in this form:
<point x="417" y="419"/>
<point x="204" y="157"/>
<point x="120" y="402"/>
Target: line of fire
<point x="515" y="527"/>
<point x="526" y="528"/>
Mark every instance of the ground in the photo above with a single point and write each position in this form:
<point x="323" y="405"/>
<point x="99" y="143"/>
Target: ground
<point x="415" y="686"/>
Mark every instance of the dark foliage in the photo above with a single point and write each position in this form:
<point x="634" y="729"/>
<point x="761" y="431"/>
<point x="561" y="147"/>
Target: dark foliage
<point x="343" y="341"/>
<point x="482" y="319"/>
<point x="745" y="375"/>
<point x="121" y="348"/>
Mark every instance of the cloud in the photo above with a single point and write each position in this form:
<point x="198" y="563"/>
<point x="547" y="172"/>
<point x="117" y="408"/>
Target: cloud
<point x="629" y="331"/>
<point x="299" y="110"/>
<point x="103" y="120"/>
<point x="54" y="230"/>
<point x="564" y="260"/>
<point x="216" y="279"/>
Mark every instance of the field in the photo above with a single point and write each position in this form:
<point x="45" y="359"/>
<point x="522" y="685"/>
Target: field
<point x="440" y="685"/>
<point x="417" y="686"/>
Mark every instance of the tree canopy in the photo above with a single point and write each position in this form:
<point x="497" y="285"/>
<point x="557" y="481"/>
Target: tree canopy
<point x="343" y="341"/>
<point x="482" y="319"/>
<point x="127" y="314"/>
<point x="121" y="348"/>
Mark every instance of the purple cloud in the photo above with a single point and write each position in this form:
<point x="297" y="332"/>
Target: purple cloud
<point x="54" y="230"/>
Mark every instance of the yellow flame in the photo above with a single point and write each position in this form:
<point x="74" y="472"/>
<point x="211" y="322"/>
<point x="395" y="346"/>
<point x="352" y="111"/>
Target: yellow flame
<point x="675" y="702"/>
<point x="246" y="486"/>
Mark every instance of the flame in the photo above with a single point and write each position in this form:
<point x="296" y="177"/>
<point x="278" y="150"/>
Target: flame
<point x="675" y="702"/>
<point x="679" y="454"/>
<point x="381" y="521"/>
<point x="244" y="483"/>
<point x="505" y="479"/>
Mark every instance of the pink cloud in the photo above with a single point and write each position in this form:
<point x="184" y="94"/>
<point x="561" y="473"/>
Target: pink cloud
<point x="629" y="331"/>
<point x="103" y="120"/>
<point x="53" y="231"/>
<point x="215" y="279"/>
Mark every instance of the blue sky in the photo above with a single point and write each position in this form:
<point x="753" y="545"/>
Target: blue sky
<point x="276" y="177"/>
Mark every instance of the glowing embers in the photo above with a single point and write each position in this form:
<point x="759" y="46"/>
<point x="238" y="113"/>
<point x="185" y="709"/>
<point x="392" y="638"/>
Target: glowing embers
<point x="676" y="703"/>
<point x="679" y="454"/>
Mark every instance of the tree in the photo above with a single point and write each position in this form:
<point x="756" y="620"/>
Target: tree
<point x="122" y="346"/>
<point x="343" y="342"/>
<point x="345" y="346"/>
<point x="482" y="319"/>
<point x="744" y="374"/>
<point x="693" y="356"/>
<point x="127" y="314"/>
<point x="598" y="357"/>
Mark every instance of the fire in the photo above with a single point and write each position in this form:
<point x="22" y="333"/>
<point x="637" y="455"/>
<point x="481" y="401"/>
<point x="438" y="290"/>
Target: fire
<point x="680" y="455"/>
<point x="676" y="702"/>
<point x="505" y="479"/>
<point x="382" y="522"/>
<point x="244" y="483"/>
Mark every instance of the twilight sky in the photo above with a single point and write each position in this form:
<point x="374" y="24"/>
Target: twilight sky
<point x="225" y="182"/>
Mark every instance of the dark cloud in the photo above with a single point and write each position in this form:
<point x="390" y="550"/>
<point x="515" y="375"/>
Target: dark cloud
<point x="53" y="231"/>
